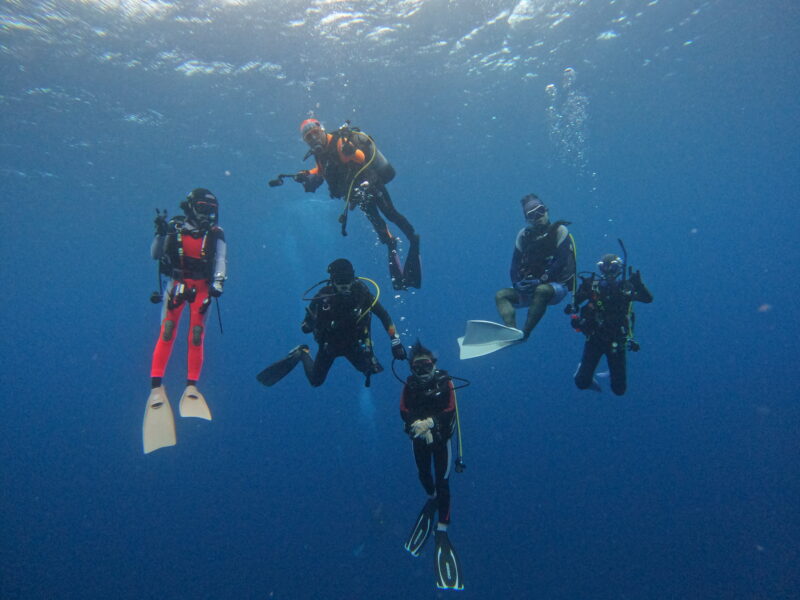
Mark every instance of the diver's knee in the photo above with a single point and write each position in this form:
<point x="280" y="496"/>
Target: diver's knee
<point x="168" y="330"/>
<point x="543" y="292"/>
<point x="504" y="295"/>
<point x="197" y="335"/>
<point x="619" y="389"/>
<point x="583" y="383"/>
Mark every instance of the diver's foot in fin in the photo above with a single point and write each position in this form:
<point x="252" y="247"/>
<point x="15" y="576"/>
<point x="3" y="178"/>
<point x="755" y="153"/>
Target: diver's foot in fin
<point x="158" y="429"/>
<point x="422" y="528"/>
<point x="277" y="371"/>
<point x="193" y="404"/>
<point x="448" y="567"/>
<point x="412" y="270"/>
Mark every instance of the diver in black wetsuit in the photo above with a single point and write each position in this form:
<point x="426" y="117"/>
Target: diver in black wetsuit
<point x="542" y="267"/>
<point x="340" y="317"/>
<point x="349" y="161"/>
<point x="607" y="321"/>
<point x="428" y="409"/>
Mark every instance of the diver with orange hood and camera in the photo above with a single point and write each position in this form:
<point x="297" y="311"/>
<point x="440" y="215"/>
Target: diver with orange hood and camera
<point x="355" y="169"/>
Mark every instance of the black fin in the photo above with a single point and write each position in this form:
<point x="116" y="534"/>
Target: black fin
<point x="422" y="528"/>
<point x="448" y="567"/>
<point x="277" y="371"/>
<point x="412" y="271"/>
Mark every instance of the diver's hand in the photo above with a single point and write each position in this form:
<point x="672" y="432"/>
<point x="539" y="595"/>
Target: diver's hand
<point x="398" y="350"/>
<point x="160" y="222"/>
<point x="635" y="277"/>
<point x="215" y="289"/>
<point x="421" y="427"/>
<point x="301" y="177"/>
<point x="570" y="309"/>
<point x="527" y="285"/>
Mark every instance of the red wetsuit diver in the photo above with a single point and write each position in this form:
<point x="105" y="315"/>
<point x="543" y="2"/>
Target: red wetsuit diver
<point x="428" y="410"/>
<point x="356" y="170"/>
<point x="191" y="251"/>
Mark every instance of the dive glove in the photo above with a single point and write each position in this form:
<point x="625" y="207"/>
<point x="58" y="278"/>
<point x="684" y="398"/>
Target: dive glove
<point x="421" y="428"/>
<point x="160" y="222"/>
<point x="635" y="278"/>
<point x="398" y="350"/>
<point x="215" y="289"/>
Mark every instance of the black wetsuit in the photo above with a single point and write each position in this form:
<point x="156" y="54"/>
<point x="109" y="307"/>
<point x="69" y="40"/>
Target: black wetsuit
<point x="434" y="399"/>
<point x="340" y="164"/>
<point x="605" y="323"/>
<point x="341" y="327"/>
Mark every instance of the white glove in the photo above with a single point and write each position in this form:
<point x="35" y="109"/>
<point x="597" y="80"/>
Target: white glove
<point x="422" y="428"/>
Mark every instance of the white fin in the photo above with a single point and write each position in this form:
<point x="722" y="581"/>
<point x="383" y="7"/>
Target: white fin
<point x="485" y="337"/>
<point x="193" y="404"/>
<point x="158" y="430"/>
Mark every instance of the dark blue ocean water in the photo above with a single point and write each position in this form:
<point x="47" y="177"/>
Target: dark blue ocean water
<point x="675" y="128"/>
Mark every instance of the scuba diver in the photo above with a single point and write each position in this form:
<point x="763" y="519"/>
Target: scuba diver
<point x="607" y="320"/>
<point x="429" y="411"/>
<point x="349" y="160"/>
<point x="542" y="267"/>
<point x="191" y="251"/>
<point x="339" y="316"/>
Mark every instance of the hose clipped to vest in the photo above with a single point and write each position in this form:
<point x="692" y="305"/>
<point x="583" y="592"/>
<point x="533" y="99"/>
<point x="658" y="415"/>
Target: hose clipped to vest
<point x="459" y="464"/>
<point x="345" y="211"/>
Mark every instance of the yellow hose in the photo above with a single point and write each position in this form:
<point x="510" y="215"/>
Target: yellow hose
<point x="458" y="425"/>
<point x="361" y="170"/>
<point x="374" y="302"/>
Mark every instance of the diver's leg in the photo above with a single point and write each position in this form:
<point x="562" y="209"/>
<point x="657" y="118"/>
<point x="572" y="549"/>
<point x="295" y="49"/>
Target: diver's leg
<point x="616" y="358"/>
<point x="505" y="300"/>
<point x="384" y="202"/>
<point x="592" y="352"/>
<point x="541" y="297"/>
<point x="197" y="317"/>
<point x="166" y="340"/>
<point x="422" y="457"/>
<point x="370" y="209"/>
<point x="316" y="369"/>
<point x="442" y="459"/>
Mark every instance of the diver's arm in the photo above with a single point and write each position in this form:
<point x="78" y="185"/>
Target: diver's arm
<point x="220" y="273"/>
<point x="516" y="260"/>
<point x="310" y="179"/>
<point x="157" y="246"/>
<point x="405" y="414"/>
<point x="310" y="319"/>
<point x="640" y="291"/>
<point x="444" y="422"/>
<point x="384" y="317"/>
<point x="584" y="291"/>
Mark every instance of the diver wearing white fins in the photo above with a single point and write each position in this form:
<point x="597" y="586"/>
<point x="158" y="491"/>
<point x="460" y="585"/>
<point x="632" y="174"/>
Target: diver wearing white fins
<point x="191" y="251"/>
<point x="429" y="411"/>
<point x="542" y="267"/>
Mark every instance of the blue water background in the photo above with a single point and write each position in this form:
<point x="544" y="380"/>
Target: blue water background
<point x="686" y="487"/>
